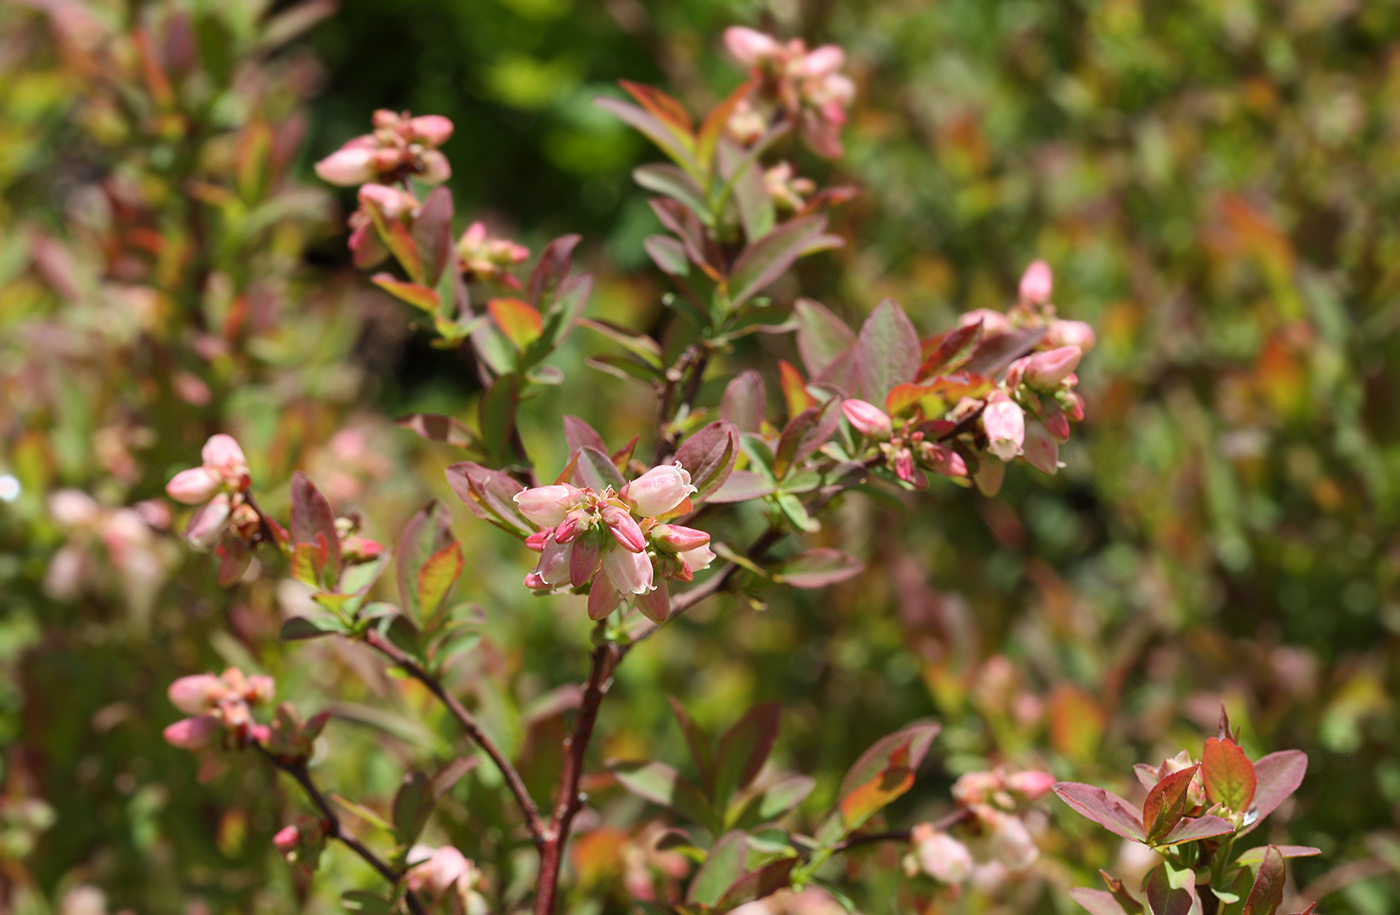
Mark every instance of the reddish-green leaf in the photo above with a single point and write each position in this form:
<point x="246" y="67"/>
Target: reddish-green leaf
<point x="744" y="749"/>
<point x="817" y="568"/>
<point x="917" y="737"/>
<point x="313" y="522"/>
<point x="713" y="127"/>
<point x="873" y="796"/>
<point x="496" y="411"/>
<point x="551" y="270"/>
<point x="776" y="800"/>
<point x="756" y="884"/>
<point x="1098" y="902"/>
<point x="437" y="428"/>
<point x="596" y="470"/>
<point x="519" y="321"/>
<point x="742" y="486"/>
<point x="579" y="434"/>
<point x="1192" y="828"/>
<point x="436" y="578"/>
<point x="412" y="805"/>
<point x="663" y="785"/>
<point x="1163" y="898"/>
<point x="723" y="865"/>
<point x="1228" y="775"/>
<point x="489" y="494"/>
<point x="1255" y="855"/>
<point x="425" y="535"/>
<point x="1267" y="893"/>
<point x="1277" y="776"/>
<point x="993" y="355"/>
<point x="745" y="402"/>
<point x="822" y="337"/>
<point x="420" y="297"/>
<point x="675" y="183"/>
<point x="656" y="130"/>
<point x="1166" y="803"/>
<point x="1103" y="807"/>
<point x="668" y="254"/>
<point x="768" y="258"/>
<point x="432" y="234"/>
<point x="795" y="393"/>
<point x="939" y="350"/>
<point x="887" y="351"/>
<point x="663" y="107"/>
<point x="708" y="456"/>
<point x="700" y="749"/>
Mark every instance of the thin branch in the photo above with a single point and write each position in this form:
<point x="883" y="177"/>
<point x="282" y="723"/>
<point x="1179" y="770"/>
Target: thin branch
<point x="337" y="830"/>
<point x="605" y="658"/>
<point x="533" y="822"/>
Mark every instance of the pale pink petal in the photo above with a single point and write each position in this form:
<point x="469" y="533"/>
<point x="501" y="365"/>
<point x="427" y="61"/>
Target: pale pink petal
<point x="348" y="166"/>
<point x="630" y="573"/>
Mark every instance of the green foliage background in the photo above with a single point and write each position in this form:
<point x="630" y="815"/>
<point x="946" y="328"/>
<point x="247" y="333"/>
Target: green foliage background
<point x="1216" y="185"/>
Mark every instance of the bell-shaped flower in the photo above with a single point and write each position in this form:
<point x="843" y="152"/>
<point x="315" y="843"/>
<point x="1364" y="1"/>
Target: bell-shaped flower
<point x="198" y="733"/>
<point x="658" y="491"/>
<point x="207" y="524"/>
<point x="630" y="573"/>
<point x="430" y="129"/>
<point x="1005" y="425"/>
<point x="547" y="506"/>
<point x="1037" y="283"/>
<point x="939" y="855"/>
<point x="194" y="486"/>
<point x="751" y="48"/>
<point x="1070" y="333"/>
<point x="867" y="419"/>
<point x="698" y="559"/>
<point x="1048" y="369"/>
<point x="348" y="166"/>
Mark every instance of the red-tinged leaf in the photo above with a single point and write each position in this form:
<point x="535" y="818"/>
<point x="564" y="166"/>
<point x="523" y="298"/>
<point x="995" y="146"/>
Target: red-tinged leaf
<point x="993" y="354"/>
<point x="420" y="297"/>
<point x="490" y="495"/>
<point x="395" y="236"/>
<point x="903" y="396"/>
<point x="661" y="106"/>
<point x="436" y="578"/>
<point x="425" y="534"/>
<point x="829" y="197"/>
<point x="313" y="522"/>
<point x="1103" y="807"/>
<point x="437" y="428"/>
<point x="712" y="129"/>
<point x="496" y="418"/>
<point x="298" y="628"/>
<point x="597" y="471"/>
<point x="700" y="749"/>
<point x="638" y="344"/>
<point x="551" y="270"/>
<point x="623" y="455"/>
<point x="1277" y="776"/>
<point x="745" y="402"/>
<point x="580" y="434"/>
<point x="660" y="784"/>
<point x="668" y="254"/>
<point x="1267" y="893"/>
<point x="563" y="312"/>
<point x="817" y="568"/>
<point x="958" y="385"/>
<point x="520" y="322"/>
<point x="795" y="393"/>
<point x="1192" y="828"/>
<point x="804" y="434"/>
<point x="656" y="130"/>
<point x="822" y="337"/>
<point x="1228" y="775"/>
<point x="1098" y="902"/>
<point x="708" y="456"/>
<point x="939" y="350"/>
<point x="744" y="749"/>
<point x="1166" y="803"/>
<point x="724" y="864"/>
<point x="743" y="180"/>
<point x="675" y="183"/>
<point x="742" y="486"/>
<point x="432" y="234"/>
<point x="412" y="804"/>
<point x="875" y="795"/>
<point x="770" y="257"/>
<point x="309" y="562"/>
<point x="1077" y="720"/>
<point x="916" y="737"/>
<point x="1120" y="893"/>
<point x="450" y="774"/>
<point x="887" y="351"/>
<point x="1163" y="898"/>
<point x="1255" y="855"/>
<point x="758" y="884"/>
<point x="777" y="799"/>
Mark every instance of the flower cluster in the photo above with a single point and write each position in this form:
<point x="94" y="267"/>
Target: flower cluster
<point x="620" y="534"/>
<point x="989" y="829"/>
<point x="220" y="710"/>
<point x="801" y="83"/>
<point x="219" y="487"/>
<point x="128" y="538"/>
<point x="446" y="877"/>
<point x="489" y="259"/>
<point x="302" y="843"/>
<point x="400" y="147"/>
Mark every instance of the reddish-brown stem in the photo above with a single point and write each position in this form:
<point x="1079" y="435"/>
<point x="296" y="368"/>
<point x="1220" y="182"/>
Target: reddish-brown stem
<point x="533" y="821"/>
<point x="568" y="801"/>
<point x="336" y="830"/>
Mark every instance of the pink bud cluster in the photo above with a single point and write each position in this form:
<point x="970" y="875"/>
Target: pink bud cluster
<point x="489" y="259"/>
<point x="220" y="484"/>
<point x="803" y="84"/>
<point x="620" y="534"/>
<point x="443" y="873"/>
<point x="127" y="535"/>
<point x="219" y="709"/>
<point x="789" y="192"/>
<point x="302" y="843"/>
<point x="991" y="828"/>
<point x="400" y="147"/>
<point x="391" y="205"/>
<point x="911" y="448"/>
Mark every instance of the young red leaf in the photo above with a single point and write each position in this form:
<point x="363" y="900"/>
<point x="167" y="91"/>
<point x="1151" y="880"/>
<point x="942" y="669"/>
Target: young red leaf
<point x="489" y="494"/>
<point x="713" y="127"/>
<point x="1277" y="776"/>
<point x="1163" y="898"/>
<point x="661" y="106"/>
<point x="1190" y="829"/>
<point x="1166" y="803"/>
<point x="795" y="393"/>
<point x="436" y="578"/>
<point x="803" y="434"/>
<point x="1228" y="774"/>
<point x="744" y="749"/>
<point x="708" y="456"/>
<point x="1103" y="807"/>
<point x="887" y="351"/>
<point x="658" y="131"/>
<point x="903" y="396"/>
<point x="756" y="884"/>
<point x="765" y="260"/>
<point x="432" y="234"/>
<point x="551" y="270"/>
<point x="938" y="351"/>
<point x="520" y="322"/>
<point x="597" y="471"/>
<point x="723" y="865"/>
<point x="873" y="796"/>
<point x="580" y="434"/>
<point x="313" y="522"/>
<point x="1267" y="893"/>
<point x="917" y="737"/>
<point x="745" y="402"/>
<point x="822" y="337"/>
<point x="993" y="355"/>
<point x="1097" y="902"/>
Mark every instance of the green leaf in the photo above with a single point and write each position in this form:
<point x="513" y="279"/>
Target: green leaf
<point x="1255" y="855"/>
<point x="796" y="513"/>
<point x="661" y="784"/>
<point x="412" y="805"/>
<point x="364" y="813"/>
<point x="756" y="884"/>
<point x="750" y="193"/>
<point x="1163" y="898"/>
<point x="822" y="337"/>
<point x="445" y="429"/>
<point x="723" y="865"/>
<point x="770" y="257"/>
<point x="596" y="470"/>
<point x="668" y="254"/>
<point x="366" y="903"/>
<point x="1097" y="902"/>
<point x="775" y="801"/>
<point x="497" y="409"/>
<point x="676" y="184"/>
<point x="425" y="535"/>
<point x="744" y="749"/>
<point x="299" y="628"/>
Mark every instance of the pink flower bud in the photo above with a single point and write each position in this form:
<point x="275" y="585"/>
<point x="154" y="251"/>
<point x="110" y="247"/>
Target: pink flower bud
<point x="536" y="541"/>
<point x="603" y="598"/>
<point x="583" y="561"/>
<point x="197" y="694"/>
<point x="1037" y="283"/>
<point x="659" y="490"/>
<point x="821" y="62"/>
<point x="697" y="559"/>
<point x="546" y="506"/>
<point x="678" y="539"/>
<point x="1005" y="425"/>
<point x="867" y="418"/>
<point x="624" y="528"/>
<point x="194" y="486"/>
<point x="433" y="167"/>
<point x="430" y="129"/>
<point x="348" y="166"/>
<point x="993" y="322"/>
<point x="194" y="733"/>
<point x="749" y="47"/>
<point x="939" y="855"/>
<point x="1056" y="423"/>
<point x="393" y="203"/>
<point x="72" y="508"/>
<point x="287" y="839"/>
<point x="629" y="572"/>
<point x="1075" y="409"/>
<point x="260" y="689"/>
<point x="944" y="461"/>
<point x="1071" y="333"/>
<point x="222" y="455"/>
<point x="435" y="870"/>
<point x="1032" y="784"/>
<point x="1046" y="370"/>
<point x="207" y="524"/>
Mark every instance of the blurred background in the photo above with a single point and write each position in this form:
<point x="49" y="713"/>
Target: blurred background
<point x="1215" y="184"/>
